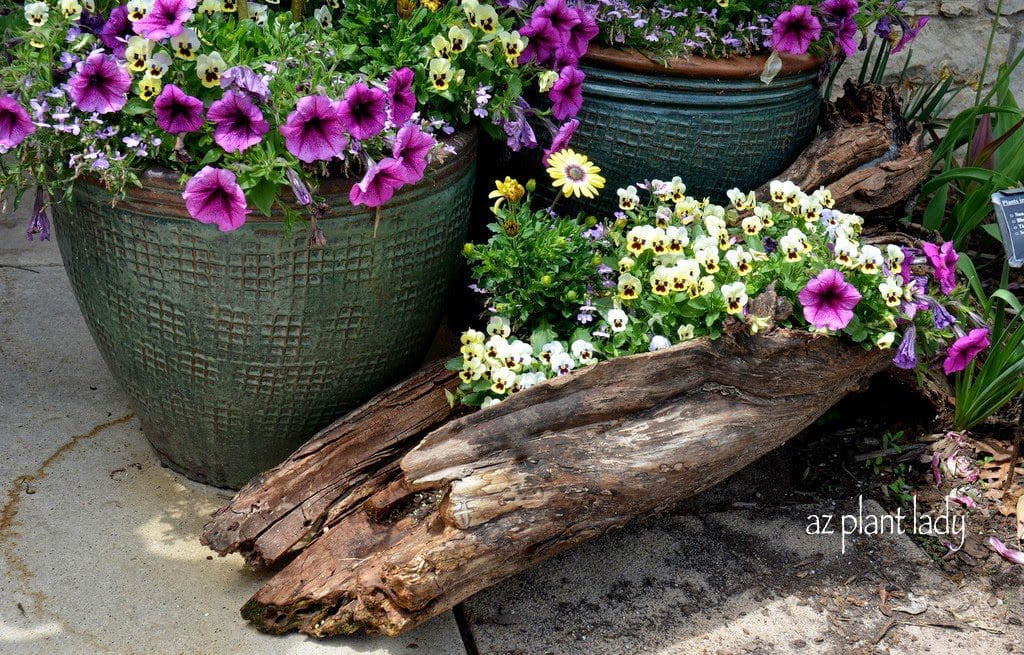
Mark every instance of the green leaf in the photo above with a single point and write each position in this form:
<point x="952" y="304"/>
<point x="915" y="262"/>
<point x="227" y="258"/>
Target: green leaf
<point x="263" y="195"/>
<point x="454" y="364"/>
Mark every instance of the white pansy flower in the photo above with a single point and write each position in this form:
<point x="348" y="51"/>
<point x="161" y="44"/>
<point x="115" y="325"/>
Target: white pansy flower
<point x="617" y="320"/>
<point x="735" y="295"/>
<point x="658" y="342"/>
<point x="209" y="67"/>
<point x="499" y="325"/>
<point x="37" y="13"/>
<point x="157" y="64"/>
<point x="562" y="363"/>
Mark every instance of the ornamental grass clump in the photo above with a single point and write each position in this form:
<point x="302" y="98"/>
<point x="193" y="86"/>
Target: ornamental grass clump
<point x="567" y="292"/>
<point x="247" y="102"/>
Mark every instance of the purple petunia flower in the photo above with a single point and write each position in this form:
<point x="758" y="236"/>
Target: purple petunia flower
<point x="846" y="36"/>
<point x="412" y="145"/>
<point x="165" y="19"/>
<point x="906" y="354"/>
<point x="543" y="40"/>
<point x="116" y="30"/>
<point x="379" y="184"/>
<point x="794" y="30"/>
<point x="100" y="85"/>
<point x="242" y="79"/>
<point x="15" y="124"/>
<point x="177" y="112"/>
<point x="401" y="99"/>
<point x="239" y="123"/>
<point x="363" y="111"/>
<point x="518" y="131"/>
<point x="562" y="138"/>
<point x="909" y="33"/>
<point x="828" y="300"/>
<point x="965" y="349"/>
<point x="839" y="9"/>
<point x="567" y="93"/>
<point x="943" y="259"/>
<point x="940" y="315"/>
<point x="213" y="196"/>
<point x="577" y="38"/>
<point x="40" y="223"/>
<point x="315" y="131"/>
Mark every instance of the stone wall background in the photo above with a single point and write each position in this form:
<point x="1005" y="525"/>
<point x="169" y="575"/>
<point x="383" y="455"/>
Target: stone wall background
<point x="956" y="37"/>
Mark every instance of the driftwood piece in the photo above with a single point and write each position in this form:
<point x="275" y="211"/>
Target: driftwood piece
<point x="867" y="155"/>
<point x="495" y="492"/>
<point x="333" y="473"/>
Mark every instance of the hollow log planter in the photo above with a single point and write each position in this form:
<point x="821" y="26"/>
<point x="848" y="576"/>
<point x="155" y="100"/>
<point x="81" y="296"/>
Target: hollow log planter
<point x="492" y="493"/>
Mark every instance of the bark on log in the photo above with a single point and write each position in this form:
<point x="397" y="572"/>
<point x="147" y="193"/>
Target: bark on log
<point x="332" y="474"/>
<point x="493" y="493"/>
<point x="863" y="126"/>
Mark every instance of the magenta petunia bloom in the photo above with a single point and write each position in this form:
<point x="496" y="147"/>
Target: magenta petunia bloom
<point x="562" y="138"/>
<point x="559" y="15"/>
<point x="165" y="19"/>
<point x="577" y="38"/>
<point x="567" y="93"/>
<point x="794" y="30"/>
<point x="846" y="36"/>
<point x="100" y="85"/>
<point x="379" y="184"/>
<point x="411" y="149"/>
<point x="943" y="259"/>
<point x="543" y="40"/>
<point x="213" y="196"/>
<point x="965" y="349"/>
<point x="363" y="111"/>
<point x="828" y="300"/>
<point x="116" y="30"/>
<point x="239" y="123"/>
<point x="177" y="112"/>
<point x="909" y="33"/>
<point x="401" y="99"/>
<point x="315" y="131"/>
<point x="840" y="9"/>
<point x="15" y="124"/>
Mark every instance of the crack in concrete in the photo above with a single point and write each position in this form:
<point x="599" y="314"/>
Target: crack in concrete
<point x="9" y="535"/>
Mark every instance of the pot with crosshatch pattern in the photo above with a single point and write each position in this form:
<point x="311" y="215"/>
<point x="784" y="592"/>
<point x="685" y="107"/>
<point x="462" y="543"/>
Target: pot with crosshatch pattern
<point x="237" y="347"/>
<point x="711" y="122"/>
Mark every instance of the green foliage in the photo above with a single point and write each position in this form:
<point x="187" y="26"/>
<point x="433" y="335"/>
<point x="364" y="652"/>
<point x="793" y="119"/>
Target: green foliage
<point x="535" y="268"/>
<point x="996" y="377"/>
<point x="959" y="196"/>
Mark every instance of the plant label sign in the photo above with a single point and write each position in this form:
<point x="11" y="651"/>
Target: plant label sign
<point x="1009" y="207"/>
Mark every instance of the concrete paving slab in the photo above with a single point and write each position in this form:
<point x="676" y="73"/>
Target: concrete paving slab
<point x="744" y="581"/>
<point x="99" y="550"/>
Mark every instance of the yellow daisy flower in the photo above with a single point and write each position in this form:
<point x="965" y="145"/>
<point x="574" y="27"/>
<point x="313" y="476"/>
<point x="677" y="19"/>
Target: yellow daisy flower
<point x="575" y="174"/>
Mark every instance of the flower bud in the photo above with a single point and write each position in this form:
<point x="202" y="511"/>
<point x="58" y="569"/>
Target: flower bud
<point x="531" y="185"/>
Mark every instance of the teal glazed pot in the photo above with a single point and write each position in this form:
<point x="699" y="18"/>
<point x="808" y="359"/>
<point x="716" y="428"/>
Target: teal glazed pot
<point x="711" y="122"/>
<point x="235" y="348"/>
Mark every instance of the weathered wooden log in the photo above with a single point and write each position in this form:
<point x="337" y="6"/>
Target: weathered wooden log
<point x="333" y="473"/>
<point x="490" y="494"/>
<point x="862" y="128"/>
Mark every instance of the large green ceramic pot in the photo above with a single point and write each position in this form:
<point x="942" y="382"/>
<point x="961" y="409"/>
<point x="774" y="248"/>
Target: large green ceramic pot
<point x="235" y="348"/>
<point x="714" y="123"/>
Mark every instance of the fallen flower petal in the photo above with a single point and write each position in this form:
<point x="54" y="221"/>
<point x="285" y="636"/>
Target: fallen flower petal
<point x="1007" y="553"/>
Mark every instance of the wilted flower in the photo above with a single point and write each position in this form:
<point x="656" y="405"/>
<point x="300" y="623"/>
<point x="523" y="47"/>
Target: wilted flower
<point x="213" y="196"/>
<point x="906" y="354"/>
<point x="1007" y="553"/>
<point x="243" y="79"/>
<point x="40" y="223"/>
<point x="116" y="30"/>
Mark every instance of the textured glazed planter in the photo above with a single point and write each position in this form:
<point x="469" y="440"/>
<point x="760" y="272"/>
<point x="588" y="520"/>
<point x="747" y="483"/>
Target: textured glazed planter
<point x="712" y="122"/>
<point x="235" y="348"/>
